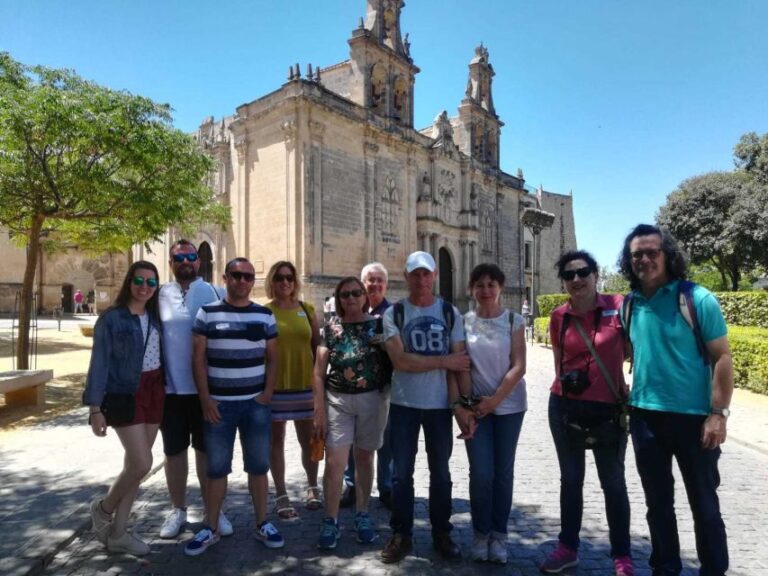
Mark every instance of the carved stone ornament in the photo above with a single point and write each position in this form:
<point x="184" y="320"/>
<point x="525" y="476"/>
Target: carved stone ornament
<point x="289" y="131"/>
<point x="241" y="145"/>
<point x="388" y="213"/>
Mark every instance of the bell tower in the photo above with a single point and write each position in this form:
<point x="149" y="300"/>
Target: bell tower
<point x="479" y="123"/>
<point x="384" y="69"/>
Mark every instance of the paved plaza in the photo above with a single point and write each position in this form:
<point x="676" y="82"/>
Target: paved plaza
<point x="51" y="471"/>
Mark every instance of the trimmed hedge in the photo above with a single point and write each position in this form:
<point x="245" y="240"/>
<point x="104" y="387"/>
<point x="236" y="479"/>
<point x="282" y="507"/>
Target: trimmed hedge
<point x="749" y="349"/>
<point x="541" y="330"/>
<point x="548" y="302"/>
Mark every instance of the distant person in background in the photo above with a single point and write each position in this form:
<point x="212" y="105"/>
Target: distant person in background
<point x="79" y="299"/>
<point x="124" y="389"/>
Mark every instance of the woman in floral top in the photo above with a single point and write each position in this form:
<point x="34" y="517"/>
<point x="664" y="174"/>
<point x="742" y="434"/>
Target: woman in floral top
<point x="351" y="405"/>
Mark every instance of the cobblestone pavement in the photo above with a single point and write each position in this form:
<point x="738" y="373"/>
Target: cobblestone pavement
<point x="533" y="523"/>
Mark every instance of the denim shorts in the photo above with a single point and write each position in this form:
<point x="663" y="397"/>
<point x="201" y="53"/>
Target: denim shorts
<point x="254" y="422"/>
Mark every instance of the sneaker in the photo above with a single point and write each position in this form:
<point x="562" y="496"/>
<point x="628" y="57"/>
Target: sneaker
<point x="173" y="523"/>
<point x="129" y="544"/>
<point x="329" y="534"/>
<point x="398" y="547"/>
<point x="101" y="521"/>
<point x="479" y="550"/>
<point x="561" y="558"/>
<point x="200" y="543"/>
<point x="225" y="526"/>
<point x="364" y="529"/>
<point x="623" y="566"/>
<point x="268" y="535"/>
<point x="497" y="551"/>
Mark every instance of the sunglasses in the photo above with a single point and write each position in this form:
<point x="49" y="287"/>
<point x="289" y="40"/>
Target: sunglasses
<point x="652" y="254"/>
<point x="569" y="275"/>
<point x="283" y="277"/>
<point x="344" y="294"/>
<point x="139" y="281"/>
<point x="247" y="276"/>
<point x="179" y="258"/>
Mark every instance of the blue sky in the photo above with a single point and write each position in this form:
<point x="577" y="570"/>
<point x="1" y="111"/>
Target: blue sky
<point x="617" y="101"/>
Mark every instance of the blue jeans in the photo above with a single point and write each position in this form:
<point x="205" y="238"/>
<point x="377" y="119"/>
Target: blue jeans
<point x="657" y="437"/>
<point x="254" y="421"/>
<point x="610" y="470"/>
<point x="404" y="439"/>
<point x="492" y="472"/>
<point x="383" y="466"/>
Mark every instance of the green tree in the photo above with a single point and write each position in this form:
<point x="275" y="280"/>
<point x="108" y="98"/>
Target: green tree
<point x="751" y="156"/>
<point x="83" y="165"/>
<point x="717" y="219"/>
<point x="612" y="282"/>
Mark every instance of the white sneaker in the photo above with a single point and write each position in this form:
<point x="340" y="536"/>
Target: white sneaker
<point x="129" y="544"/>
<point x="101" y="521"/>
<point x="497" y="551"/>
<point x="479" y="550"/>
<point x="225" y="526"/>
<point x="173" y="523"/>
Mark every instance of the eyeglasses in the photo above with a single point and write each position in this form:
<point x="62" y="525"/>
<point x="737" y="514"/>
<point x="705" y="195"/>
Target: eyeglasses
<point x="179" y="258"/>
<point x="569" y="275"/>
<point x="344" y="294"/>
<point x="246" y="276"/>
<point x="652" y="254"/>
<point x="139" y="281"/>
<point x="283" y="277"/>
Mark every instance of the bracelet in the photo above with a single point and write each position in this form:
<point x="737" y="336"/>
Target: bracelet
<point x="96" y="411"/>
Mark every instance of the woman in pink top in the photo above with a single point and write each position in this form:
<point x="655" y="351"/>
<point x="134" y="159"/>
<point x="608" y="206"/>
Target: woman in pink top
<point x="580" y="387"/>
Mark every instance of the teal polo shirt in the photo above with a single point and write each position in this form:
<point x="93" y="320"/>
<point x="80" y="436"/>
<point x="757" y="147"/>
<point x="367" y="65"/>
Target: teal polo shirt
<point x="669" y="373"/>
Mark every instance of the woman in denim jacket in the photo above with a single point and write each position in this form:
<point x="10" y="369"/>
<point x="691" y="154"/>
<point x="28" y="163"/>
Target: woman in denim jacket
<point x="125" y="390"/>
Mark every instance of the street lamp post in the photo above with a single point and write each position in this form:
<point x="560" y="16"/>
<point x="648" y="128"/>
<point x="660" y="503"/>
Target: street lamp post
<point x="535" y="220"/>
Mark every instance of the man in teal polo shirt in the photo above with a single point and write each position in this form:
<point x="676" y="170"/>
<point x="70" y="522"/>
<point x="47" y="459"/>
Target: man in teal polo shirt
<point x="680" y="397"/>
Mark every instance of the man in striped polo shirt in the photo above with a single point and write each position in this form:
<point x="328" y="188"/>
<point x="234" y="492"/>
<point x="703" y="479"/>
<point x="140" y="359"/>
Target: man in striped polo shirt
<point x="235" y="368"/>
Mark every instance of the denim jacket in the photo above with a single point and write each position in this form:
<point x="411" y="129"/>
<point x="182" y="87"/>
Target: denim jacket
<point x="117" y="356"/>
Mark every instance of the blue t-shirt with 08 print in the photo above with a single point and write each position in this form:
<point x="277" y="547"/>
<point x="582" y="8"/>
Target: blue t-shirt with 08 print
<point x="425" y="332"/>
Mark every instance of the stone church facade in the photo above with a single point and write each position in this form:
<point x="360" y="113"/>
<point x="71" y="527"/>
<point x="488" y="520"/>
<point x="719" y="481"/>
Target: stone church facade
<point x="329" y="172"/>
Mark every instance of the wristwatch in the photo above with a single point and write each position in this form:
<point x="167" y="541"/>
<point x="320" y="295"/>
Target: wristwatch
<point x="724" y="412"/>
<point x="455" y="404"/>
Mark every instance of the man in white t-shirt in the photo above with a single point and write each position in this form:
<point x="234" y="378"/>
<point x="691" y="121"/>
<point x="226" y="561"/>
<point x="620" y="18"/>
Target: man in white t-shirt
<point x="182" y="416"/>
<point x="425" y="341"/>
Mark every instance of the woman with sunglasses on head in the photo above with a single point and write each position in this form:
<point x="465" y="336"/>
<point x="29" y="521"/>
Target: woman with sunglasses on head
<point x="496" y="347"/>
<point x="588" y="346"/>
<point x="298" y="334"/>
<point x="125" y="389"/>
<point x="351" y="405"/>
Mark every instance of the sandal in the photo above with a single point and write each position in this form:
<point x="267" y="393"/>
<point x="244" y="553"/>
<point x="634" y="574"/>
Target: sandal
<point x="283" y="508"/>
<point x="313" y="502"/>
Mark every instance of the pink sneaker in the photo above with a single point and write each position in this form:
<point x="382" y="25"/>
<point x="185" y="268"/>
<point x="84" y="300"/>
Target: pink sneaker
<point x="561" y="558"/>
<point x="623" y="566"/>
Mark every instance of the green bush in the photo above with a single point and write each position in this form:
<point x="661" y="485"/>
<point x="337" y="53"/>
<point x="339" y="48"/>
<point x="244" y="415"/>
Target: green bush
<point x="749" y="350"/>
<point x="744" y="308"/>
<point x="541" y="329"/>
<point x="548" y="302"/>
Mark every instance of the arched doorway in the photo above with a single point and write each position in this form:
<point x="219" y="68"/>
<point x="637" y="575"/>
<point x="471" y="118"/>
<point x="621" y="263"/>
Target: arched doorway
<point x="67" y="302"/>
<point x="445" y="266"/>
<point x="206" y="261"/>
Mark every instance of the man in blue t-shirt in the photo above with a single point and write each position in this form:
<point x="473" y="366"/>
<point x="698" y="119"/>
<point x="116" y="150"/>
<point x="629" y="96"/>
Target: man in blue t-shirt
<point x="235" y="365"/>
<point x="427" y="352"/>
<point x="680" y="397"/>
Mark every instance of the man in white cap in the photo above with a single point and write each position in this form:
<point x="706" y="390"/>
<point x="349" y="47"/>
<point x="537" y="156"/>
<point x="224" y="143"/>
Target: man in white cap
<point x="425" y="341"/>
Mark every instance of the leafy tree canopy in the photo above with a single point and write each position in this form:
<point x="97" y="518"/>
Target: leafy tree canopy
<point x="719" y="218"/>
<point x="751" y="155"/>
<point x="89" y="166"/>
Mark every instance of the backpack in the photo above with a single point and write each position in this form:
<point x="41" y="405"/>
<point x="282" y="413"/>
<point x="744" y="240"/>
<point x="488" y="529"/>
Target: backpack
<point x="448" y="315"/>
<point x="687" y="310"/>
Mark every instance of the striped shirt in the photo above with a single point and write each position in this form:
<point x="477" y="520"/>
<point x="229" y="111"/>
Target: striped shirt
<point x="236" y="348"/>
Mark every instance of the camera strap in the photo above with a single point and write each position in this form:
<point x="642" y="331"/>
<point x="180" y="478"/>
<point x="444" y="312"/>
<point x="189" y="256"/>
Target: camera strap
<point x="611" y="385"/>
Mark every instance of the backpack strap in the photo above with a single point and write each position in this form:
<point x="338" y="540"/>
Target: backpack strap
<point x="306" y="313"/>
<point x="626" y="321"/>
<point x="688" y="312"/>
<point x="399" y="315"/>
<point x="448" y="315"/>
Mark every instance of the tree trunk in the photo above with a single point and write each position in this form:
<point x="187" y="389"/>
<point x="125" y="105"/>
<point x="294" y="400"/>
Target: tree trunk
<point x="27" y="291"/>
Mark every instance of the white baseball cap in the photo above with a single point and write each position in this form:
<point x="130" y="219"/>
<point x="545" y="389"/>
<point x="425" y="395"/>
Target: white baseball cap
<point x="420" y="260"/>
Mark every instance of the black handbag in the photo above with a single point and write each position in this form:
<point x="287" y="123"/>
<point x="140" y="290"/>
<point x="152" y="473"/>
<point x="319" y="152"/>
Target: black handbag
<point x="118" y="409"/>
<point x="588" y="431"/>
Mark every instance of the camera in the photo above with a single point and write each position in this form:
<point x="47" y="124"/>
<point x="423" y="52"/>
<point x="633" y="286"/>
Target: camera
<point x="574" y="382"/>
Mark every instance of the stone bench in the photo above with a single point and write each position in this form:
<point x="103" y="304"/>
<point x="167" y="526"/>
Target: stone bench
<point x="24" y="387"/>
